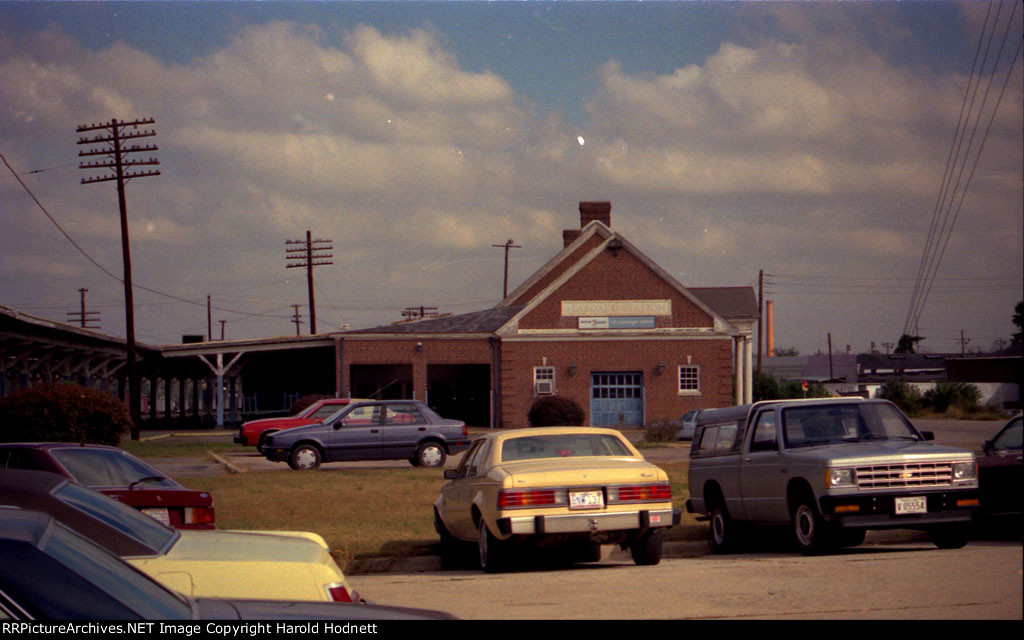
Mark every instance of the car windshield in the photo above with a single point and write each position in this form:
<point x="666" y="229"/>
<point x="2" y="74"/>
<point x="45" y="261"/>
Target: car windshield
<point x="572" y="445"/>
<point x="119" y="516"/>
<point x="108" y="573"/>
<point x="108" y="468"/>
<point x="1010" y="438"/>
<point x="837" y="423"/>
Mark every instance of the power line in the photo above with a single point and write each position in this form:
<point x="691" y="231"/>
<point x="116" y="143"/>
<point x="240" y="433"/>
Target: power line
<point x="942" y="225"/>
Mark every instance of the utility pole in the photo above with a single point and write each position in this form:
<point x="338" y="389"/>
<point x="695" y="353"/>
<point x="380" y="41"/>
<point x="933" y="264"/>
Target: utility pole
<point x="760" y="317"/>
<point x="113" y="138"/>
<point x="297" y="319"/>
<point x="508" y="245"/>
<point x="310" y="255"/>
<point x="83" y="316"/>
<point x="963" y="342"/>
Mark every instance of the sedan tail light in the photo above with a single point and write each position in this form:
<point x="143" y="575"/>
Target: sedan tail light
<point x="198" y="515"/>
<point x="338" y="592"/>
<point x="644" y="493"/>
<point x="529" y="498"/>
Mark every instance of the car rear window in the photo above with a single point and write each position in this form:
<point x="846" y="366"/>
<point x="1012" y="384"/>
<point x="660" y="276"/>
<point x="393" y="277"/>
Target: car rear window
<point x="105" y="468"/>
<point x="562" y="446"/>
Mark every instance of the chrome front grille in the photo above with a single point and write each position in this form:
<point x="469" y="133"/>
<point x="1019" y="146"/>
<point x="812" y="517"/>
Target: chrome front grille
<point x="910" y="474"/>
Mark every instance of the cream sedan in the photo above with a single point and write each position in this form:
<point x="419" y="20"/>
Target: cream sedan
<point x="571" y="487"/>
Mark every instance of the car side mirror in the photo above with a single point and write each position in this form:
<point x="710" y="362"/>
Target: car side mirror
<point x="451" y="474"/>
<point x="988" y="446"/>
<point x="928" y="435"/>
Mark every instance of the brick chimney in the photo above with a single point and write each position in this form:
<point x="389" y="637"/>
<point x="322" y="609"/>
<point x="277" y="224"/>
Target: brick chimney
<point x="589" y="211"/>
<point x="600" y="211"/>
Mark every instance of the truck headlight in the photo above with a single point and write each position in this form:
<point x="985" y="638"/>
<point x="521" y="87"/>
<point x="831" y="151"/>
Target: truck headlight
<point x="965" y="471"/>
<point x="840" y="478"/>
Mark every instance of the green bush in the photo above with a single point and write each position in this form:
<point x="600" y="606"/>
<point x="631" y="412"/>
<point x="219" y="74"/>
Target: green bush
<point x="952" y="394"/>
<point x="662" y="430"/>
<point x="901" y="393"/>
<point x="768" y="388"/>
<point x="555" y="411"/>
<point x="62" y="412"/>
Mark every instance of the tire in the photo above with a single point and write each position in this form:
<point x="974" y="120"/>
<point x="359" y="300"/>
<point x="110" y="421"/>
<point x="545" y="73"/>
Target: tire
<point x="430" y="454"/>
<point x="647" y="550"/>
<point x="262" y="439"/>
<point x="722" y="538"/>
<point x="493" y="552"/>
<point x="305" y="457"/>
<point x="950" y="536"/>
<point x="810" y="531"/>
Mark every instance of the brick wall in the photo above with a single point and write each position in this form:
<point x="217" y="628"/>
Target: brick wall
<point x="662" y="399"/>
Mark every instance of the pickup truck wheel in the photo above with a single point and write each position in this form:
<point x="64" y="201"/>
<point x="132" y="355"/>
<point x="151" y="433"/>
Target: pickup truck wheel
<point x="492" y="551"/>
<point x="809" y="529"/>
<point x="647" y="550"/>
<point x="950" y="536"/>
<point x="723" y="529"/>
<point x="304" y="457"/>
<point x="430" y="454"/>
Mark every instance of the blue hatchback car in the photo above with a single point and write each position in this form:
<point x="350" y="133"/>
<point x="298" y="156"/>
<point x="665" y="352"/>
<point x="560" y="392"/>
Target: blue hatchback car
<point x="377" y="430"/>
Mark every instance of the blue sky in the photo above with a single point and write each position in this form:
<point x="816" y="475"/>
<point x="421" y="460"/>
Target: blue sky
<point x="805" y="139"/>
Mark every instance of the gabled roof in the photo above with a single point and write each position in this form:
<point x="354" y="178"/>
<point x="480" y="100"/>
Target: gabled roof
<point x="731" y="302"/>
<point x="487" y="321"/>
<point x="561" y="262"/>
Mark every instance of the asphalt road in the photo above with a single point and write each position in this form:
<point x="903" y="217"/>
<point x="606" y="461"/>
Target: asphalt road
<point x="907" y="581"/>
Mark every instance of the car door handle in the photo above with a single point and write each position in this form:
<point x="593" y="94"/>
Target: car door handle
<point x="374" y="430"/>
<point x="421" y="428"/>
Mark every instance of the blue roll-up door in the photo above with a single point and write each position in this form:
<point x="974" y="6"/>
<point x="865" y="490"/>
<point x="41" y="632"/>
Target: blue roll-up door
<point x="617" y="399"/>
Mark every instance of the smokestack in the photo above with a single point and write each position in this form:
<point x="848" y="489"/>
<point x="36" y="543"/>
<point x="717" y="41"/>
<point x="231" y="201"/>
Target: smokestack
<point x="769" y="328"/>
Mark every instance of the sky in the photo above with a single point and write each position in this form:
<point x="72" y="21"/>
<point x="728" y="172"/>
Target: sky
<point x="865" y="156"/>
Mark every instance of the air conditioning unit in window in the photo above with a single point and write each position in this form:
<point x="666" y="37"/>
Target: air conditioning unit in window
<point x="544" y="387"/>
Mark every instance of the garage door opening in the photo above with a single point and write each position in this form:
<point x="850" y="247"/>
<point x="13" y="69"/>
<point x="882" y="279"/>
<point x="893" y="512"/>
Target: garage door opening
<point x="461" y="392"/>
<point x="381" y="381"/>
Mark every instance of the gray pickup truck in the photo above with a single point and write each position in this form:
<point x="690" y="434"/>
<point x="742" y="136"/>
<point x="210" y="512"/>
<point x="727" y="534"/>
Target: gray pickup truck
<point x="829" y="468"/>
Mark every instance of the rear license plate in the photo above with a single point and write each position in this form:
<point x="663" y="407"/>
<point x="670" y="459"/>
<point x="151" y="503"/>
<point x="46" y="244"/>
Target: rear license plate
<point x="911" y="505"/>
<point x="158" y="514"/>
<point x="586" y="499"/>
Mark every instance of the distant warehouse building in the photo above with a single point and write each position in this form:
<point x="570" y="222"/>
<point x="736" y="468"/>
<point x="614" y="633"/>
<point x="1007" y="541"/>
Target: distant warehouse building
<point x="600" y="323"/>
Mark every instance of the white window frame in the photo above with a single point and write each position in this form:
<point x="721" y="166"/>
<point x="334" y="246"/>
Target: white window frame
<point x="692" y="382"/>
<point x="544" y="373"/>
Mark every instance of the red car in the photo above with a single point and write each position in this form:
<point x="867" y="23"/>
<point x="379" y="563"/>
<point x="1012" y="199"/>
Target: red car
<point x="118" y="474"/>
<point x="252" y="432"/>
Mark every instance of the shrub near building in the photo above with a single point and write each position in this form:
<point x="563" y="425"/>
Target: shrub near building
<point x="556" y="411"/>
<point x="62" y="412"/>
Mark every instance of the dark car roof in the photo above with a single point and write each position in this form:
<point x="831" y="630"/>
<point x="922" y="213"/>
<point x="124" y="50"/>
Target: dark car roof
<point x="34" y="490"/>
<point x="58" y="445"/>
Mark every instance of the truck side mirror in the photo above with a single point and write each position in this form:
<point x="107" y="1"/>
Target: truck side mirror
<point x="928" y="435"/>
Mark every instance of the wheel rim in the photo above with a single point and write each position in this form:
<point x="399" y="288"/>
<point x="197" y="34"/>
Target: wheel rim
<point x="803" y="522"/>
<point x="483" y="544"/>
<point x="718" y="527"/>
<point x="305" y="458"/>
<point x="431" y="456"/>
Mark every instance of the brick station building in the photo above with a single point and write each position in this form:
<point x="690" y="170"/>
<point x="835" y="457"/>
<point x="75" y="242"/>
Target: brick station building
<point x="600" y="323"/>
